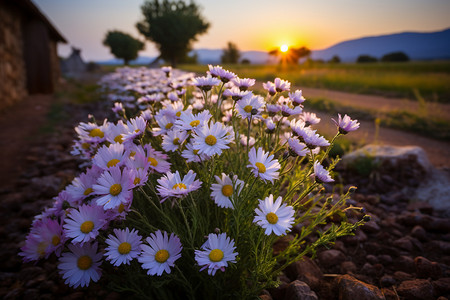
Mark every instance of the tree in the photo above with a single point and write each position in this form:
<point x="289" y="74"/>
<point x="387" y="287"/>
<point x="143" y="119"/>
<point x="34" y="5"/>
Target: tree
<point x="123" y="45"/>
<point x="364" y="58"/>
<point x="335" y="59"/>
<point x="230" y="54"/>
<point x="292" y="55"/>
<point x="395" y="57"/>
<point x="172" y="26"/>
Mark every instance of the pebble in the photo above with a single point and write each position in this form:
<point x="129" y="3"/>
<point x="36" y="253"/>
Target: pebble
<point x="419" y="289"/>
<point x="329" y="258"/>
<point x="299" y="290"/>
<point x="349" y="288"/>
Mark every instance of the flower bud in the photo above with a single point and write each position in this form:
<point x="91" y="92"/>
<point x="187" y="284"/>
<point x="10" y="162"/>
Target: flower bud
<point x="367" y="218"/>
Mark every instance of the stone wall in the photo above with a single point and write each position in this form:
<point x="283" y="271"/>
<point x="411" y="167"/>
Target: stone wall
<point x="12" y="64"/>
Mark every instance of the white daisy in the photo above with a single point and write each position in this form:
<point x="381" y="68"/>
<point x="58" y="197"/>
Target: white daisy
<point x="215" y="253"/>
<point x="189" y="121"/>
<point x="81" y="265"/>
<point x="193" y="155"/>
<point x="250" y="106"/>
<point x="263" y="165"/>
<point x="112" y="156"/>
<point x="212" y="139"/>
<point x="165" y="124"/>
<point x="123" y="246"/>
<point x="83" y="224"/>
<point x="161" y="254"/>
<point x="321" y="174"/>
<point x="173" y="139"/>
<point x="113" y="187"/>
<point x="136" y="128"/>
<point x="224" y="190"/>
<point x="274" y="217"/>
<point x="171" y="185"/>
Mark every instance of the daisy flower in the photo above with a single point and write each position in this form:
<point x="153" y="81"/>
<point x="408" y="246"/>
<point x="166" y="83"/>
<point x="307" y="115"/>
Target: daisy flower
<point x="273" y="109"/>
<point x="270" y="87"/>
<point x="173" y="96"/>
<point x="91" y="132"/>
<point x="83" y="224"/>
<point x="282" y="85"/>
<point x="165" y="124"/>
<point x="81" y="265"/>
<point x="274" y="217"/>
<point x="172" y="140"/>
<point x="235" y="93"/>
<point x="224" y="75"/>
<point x="250" y="106"/>
<point x="81" y="186"/>
<point x="215" y="253"/>
<point x="157" y="159"/>
<point x="138" y="176"/>
<point x="211" y="139"/>
<point x="146" y="114"/>
<point x="310" y="118"/>
<point x="263" y="165"/>
<point x="346" y="124"/>
<point x="193" y="155"/>
<point x="112" y="156"/>
<point x="243" y="83"/>
<point x="113" y="187"/>
<point x="243" y="140"/>
<point x="123" y="246"/>
<point x="161" y="254"/>
<point x="206" y="83"/>
<point x="136" y="128"/>
<point x="321" y="174"/>
<point x="189" y="121"/>
<point x="171" y="185"/>
<point x="296" y="97"/>
<point x="115" y="132"/>
<point x="313" y="140"/>
<point x="224" y="189"/>
<point x="296" y="148"/>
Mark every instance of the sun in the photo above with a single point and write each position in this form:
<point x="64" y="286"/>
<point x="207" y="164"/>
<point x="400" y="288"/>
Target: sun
<point x="284" y="48"/>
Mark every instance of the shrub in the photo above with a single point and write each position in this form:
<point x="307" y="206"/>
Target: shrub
<point x="366" y="59"/>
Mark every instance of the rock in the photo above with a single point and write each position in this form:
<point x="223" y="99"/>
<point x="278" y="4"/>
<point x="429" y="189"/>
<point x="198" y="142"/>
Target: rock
<point x="420" y="206"/>
<point x="404" y="243"/>
<point x="348" y="267"/>
<point x="329" y="258"/>
<point x="299" y="290"/>
<point x="350" y="288"/>
<point x="419" y="232"/>
<point x="442" y="285"/>
<point x="387" y="281"/>
<point x="305" y="270"/>
<point x="426" y="268"/>
<point x="265" y="295"/>
<point x="402" y="276"/>
<point x="405" y="263"/>
<point x="368" y="269"/>
<point x="372" y="259"/>
<point x="371" y="227"/>
<point x="385" y="259"/>
<point x="418" y="289"/>
<point x="48" y="186"/>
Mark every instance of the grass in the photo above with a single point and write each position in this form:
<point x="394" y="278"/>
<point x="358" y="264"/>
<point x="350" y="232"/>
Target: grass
<point x="431" y="79"/>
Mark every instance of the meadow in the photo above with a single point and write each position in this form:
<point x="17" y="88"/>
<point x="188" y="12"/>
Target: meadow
<point x="431" y="80"/>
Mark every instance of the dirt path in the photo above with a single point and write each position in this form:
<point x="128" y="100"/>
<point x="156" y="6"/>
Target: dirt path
<point x="378" y="103"/>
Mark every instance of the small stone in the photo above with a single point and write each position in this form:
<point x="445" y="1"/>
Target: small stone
<point x="418" y="289"/>
<point x="371" y="227"/>
<point x="405" y="263"/>
<point x="385" y="259"/>
<point x="305" y="270"/>
<point x="348" y="267"/>
<point x="426" y="268"/>
<point x="402" y="276"/>
<point x="423" y="207"/>
<point x="442" y="285"/>
<point x="299" y="290"/>
<point x="371" y="259"/>
<point x="329" y="258"/>
<point x="419" y="232"/>
<point x="350" y="288"/>
<point x="404" y="243"/>
<point x="387" y="281"/>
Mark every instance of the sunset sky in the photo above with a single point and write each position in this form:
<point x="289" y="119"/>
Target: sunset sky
<point x="251" y="24"/>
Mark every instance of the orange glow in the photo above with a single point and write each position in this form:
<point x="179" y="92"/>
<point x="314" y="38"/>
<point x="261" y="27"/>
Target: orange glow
<point x="284" y="48"/>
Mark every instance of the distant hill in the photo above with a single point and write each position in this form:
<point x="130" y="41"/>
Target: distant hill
<point x="417" y="45"/>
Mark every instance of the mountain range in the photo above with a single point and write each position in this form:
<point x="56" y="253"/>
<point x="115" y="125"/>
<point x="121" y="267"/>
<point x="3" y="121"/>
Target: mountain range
<point x="417" y="45"/>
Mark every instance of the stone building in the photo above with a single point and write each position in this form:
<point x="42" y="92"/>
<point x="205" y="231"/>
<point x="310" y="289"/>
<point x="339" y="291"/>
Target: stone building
<point x="29" y="62"/>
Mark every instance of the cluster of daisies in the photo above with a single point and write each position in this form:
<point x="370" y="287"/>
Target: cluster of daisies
<point x="120" y="156"/>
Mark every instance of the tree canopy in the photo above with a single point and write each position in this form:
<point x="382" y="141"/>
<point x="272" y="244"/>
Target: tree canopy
<point x="292" y="55"/>
<point x="123" y="45"/>
<point x="395" y="57"/>
<point x="230" y="54"/>
<point x="364" y="58"/>
<point x="172" y="26"/>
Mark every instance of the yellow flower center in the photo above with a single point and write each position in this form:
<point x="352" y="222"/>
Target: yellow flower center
<point x="152" y="161"/>
<point x="178" y="114"/>
<point x="180" y="186"/>
<point x="132" y="153"/>
<point x="176" y="141"/>
<point x="115" y="189"/>
<point x="261" y="167"/>
<point x="169" y="125"/>
<point x="248" y="108"/>
<point x="121" y="208"/>
<point x="124" y="248"/>
<point x="211" y="140"/>
<point x="55" y="240"/>
<point x="161" y="256"/>
<point x="272" y="218"/>
<point x="194" y="123"/>
<point x="137" y="131"/>
<point x="41" y="248"/>
<point x="96" y="132"/>
<point x="113" y="162"/>
<point x="87" y="227"/>
<point x="216" y="255"/>
<point x="85" y="146"/>
<point x="227" y="190"/>
<point x="118" y="139"/>
<point x="88" y="191"/>
<point x="264" y="116"/>
<point x="137" y="180"/>
<point x="84" y="262"/>
<point x="195" y="151"/>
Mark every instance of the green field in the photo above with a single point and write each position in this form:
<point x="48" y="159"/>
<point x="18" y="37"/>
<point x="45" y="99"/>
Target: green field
<point x="430" y="79"/>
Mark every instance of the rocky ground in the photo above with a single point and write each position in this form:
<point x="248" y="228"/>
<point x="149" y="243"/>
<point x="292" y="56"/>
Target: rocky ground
<point x="402" y="253"/>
